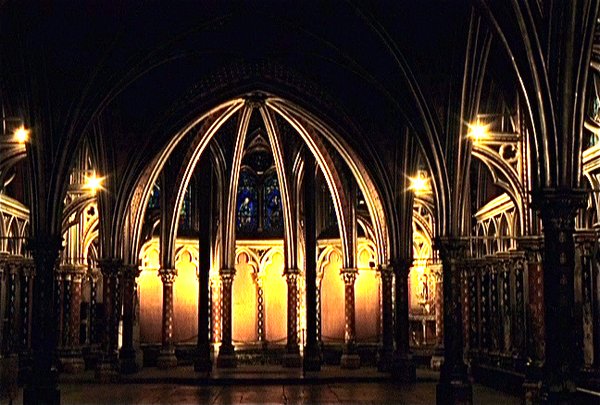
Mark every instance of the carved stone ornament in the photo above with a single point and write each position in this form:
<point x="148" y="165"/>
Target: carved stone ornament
<point x="349" y="275"/>
<point x="452" y="248"/>
<point x="558" y="208"/>
<point x="167" y="275"/>
<point x="131" y="271"/>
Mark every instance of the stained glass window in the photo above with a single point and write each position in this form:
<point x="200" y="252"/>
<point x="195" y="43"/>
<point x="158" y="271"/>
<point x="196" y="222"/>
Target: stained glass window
<point x="154" y="201"/>
<point x="272" y="209"/>
<point x="247" y="204"/>
<point x="185" y="215"/>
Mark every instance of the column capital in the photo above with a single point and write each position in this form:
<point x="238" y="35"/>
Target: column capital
<point x="45" y="249"/>
<point x="167" y="275"/>
<point x="557" y="208"/>
<point x="227" y="274"/>
<point x="386" y="272"/>
<point x="131" y="271"/>
<point x="110" y="267"/>
<point x="585" y="240"/>
<point x="452" y="248"/>
<point x="349" y="275"/>
<point x="292" y="271"/>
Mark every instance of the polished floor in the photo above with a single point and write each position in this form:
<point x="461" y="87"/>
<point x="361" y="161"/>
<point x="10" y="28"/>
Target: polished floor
<point x="261" y="385"/>
<point x="337" y="393"/>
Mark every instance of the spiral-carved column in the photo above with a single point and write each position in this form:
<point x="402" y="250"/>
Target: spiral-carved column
<point x="292" y="356"/>
<point x="128" y="353"/>
<point x="386" y="274"/>
<point x="71" y="356"/>
<point x="167" y="358"/>
<point x="108" y="364"/>
<point x="350" y="358"/>
<point x="226" y="357"/>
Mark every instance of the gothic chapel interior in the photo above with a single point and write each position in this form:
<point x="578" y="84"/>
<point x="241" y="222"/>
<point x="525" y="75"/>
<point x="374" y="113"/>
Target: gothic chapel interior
<point x="390" y="185"/>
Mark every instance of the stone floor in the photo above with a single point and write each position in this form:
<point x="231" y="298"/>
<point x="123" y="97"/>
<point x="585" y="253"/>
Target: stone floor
<point x="264" y="385"/>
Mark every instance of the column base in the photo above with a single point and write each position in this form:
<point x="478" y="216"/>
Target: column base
<point x="72" y="362"/>
<point x="292" y="360"/>
<point x="403" y="369"/>
<point x="35" y="395"/>
<point x="436" y="362"/>
<point x="384" y="359"/>
<point x="454" y="393"/>
<point x="167" y="358"/>
<point x="131" y="360"/>
<point x="312" y="359"/>
<point x="350" y="361"/>
<point x="226" y="357"/>
<point x="203" y="361"/>
<point x="107" y="371"/>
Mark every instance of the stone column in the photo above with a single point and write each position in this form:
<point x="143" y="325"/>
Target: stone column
<point x="128" y="354"/>
<point x="41" y="386"/>
<point x="557" y="210"/>
<point x="350" y="357"/>
<point x="595" y="283"/>
<point x="167" y="358"/>
<point x="438" y="357"/>
<point x="403" y="367"/>
<point x="384" y="361"/>
<point x="9" y="320"/>
<point x="454" y="386"/>
<point x="27" y="274"/>
<point x="108" y="364"/>
<point x="584" y="292"/>
<point x="312" y="351"/>
<point x="71" y="357"/>
<point x="226" y="358"/>
<point x="292" y="357"/>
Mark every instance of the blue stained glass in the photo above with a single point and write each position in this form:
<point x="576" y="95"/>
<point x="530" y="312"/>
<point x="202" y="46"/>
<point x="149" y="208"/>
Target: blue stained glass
<point x="154" y="201"/>
<point x="185" y="217"/>
<point x="247" y="210"/>
<point x="273" y="211"/>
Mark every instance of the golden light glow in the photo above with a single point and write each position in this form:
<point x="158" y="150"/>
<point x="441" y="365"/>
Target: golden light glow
<point x="420" y="184"/>
<point x="93" y="182"/>
<point x="478" y="131"/>
<point x="21" y="135"/>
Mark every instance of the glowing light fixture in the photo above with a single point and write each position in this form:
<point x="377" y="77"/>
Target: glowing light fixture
<point x="21" y="134"/>
<point x="478" y="131"/>
<point x="93" y="183"/>
<point x="420" y="184"/>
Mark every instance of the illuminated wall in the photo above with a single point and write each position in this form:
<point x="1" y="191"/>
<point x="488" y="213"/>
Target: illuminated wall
<point x="332" y="296"/>
<point x="275" y="295"/>
<point x="259" y="269"/>
<point x="244" y="298"/>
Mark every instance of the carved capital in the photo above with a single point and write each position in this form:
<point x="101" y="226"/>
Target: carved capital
<point x="585" y="241"/>
<point x="131" y="271"/>
<point x="291" y="275"/>
<point x="227" y="276"/>
<point x="386" y="273"/>
<point x="110" y="267"/>
<point x="45" y="250"/>
<point x="532" y="246"/>
<point x="349" y="276"/>
<point x="557" y="208"/>
<point x="452" y="248"/>
<point x="167" y="276"/>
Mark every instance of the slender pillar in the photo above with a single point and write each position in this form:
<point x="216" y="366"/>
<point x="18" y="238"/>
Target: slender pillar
<point x="108" y="364"/>
<point x="226" y="357"/>
<point x="27" y="274"/>
<point x="584" y="245"/>
<point x="10" y="302"/>
<point x="312" y="352"/>
<point x="128" y="354"/>
<point x="403" y="366"/>
<point x="292" y="357"/>
<point x="203" y="362"/>
<point x="71" y="357"/>
<point x="595" y="283"/>
<point x="557" y="210"/>
<point x="41" y="387"/>
<point x="454" y="386"/>
<point x="384" y="362"/>
<point x="167" y="358"/>
<point x="350" y="357"/>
